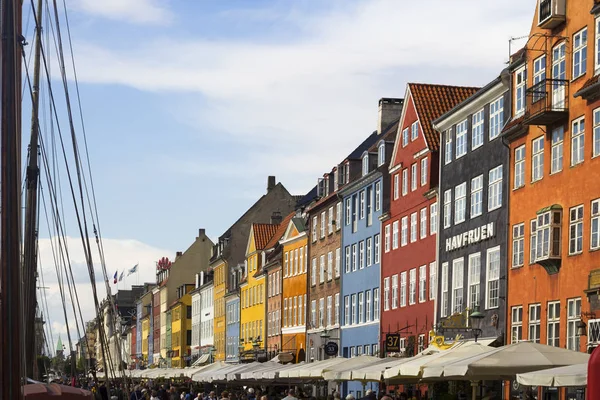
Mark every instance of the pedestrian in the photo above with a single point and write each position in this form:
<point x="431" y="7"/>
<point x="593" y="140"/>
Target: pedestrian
<point x="291" y="395"/>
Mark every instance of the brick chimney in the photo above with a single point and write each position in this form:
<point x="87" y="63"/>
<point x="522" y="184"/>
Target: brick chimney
<point x="389" y="110"/>
<point x="276" y="218"/>
<point x="178" y="254"/>
<point x="270" y="183"/>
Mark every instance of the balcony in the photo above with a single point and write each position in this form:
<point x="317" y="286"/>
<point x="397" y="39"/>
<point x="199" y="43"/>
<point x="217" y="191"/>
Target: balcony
<point x="547" y="102"/>
<point x="551" y="13"/>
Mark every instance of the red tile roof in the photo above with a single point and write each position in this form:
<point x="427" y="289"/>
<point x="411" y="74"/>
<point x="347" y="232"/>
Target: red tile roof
<point x="432" y="101"/>
<point x="263" y="234"/>
<point x="280" y="231"/>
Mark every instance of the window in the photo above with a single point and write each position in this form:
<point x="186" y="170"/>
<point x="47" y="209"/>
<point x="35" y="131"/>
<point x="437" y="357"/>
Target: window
<point x="577" y="141"/>
<point x="457" y="285"/>
<point x="553" y="323"/>
<point x="537" y="168"/>
<point x="387" y="238"/>
<point x="423" y="222"/>
<point x="330" y="221"/>
<point x="413" y="177"/>
<point x="402" y="289"/>
<point x="495" y="188"/>
<point x="547" y="229"/>
<point x="314" y="229"/>
<point x="361" y="254"/>
<point x="493" y="277"/>
<point x="404" y="137"/>
<point x="414" y="131"/>
<point x="362" y="204"/>
<point x="474" y="280"/>
<point x="365" y="164"/>
<point x="321" y="312"/>
<point x="377" y="249"/>
<point x="337" y="309"/>
<point x="395" y="234"/>
<point x="368" y="306"/>
<point x="460" y="202"/>
<point x="286" y="269"/>
<point x="520" y="83"/>
<point x="516" y="326"/>
<point x="346" y="310"/>
<point x="295" y="313"/>
<point x="413" y="227"/>
<point x="322" y="268"/>
<point x="353" y="308"/>
<point x="432" y="280"/>
<point x="369" y="254"/>
<point x="558" y="135"/>
<point x="433" y="221"/>
<point x="496" y="117"/>
<point x="337" y="262"/>
<point x="477" y="129"/>
<point x="322" y="224"/>
<point x="285" y="312"/>
<point x="420" y="343"/>
<point x="376" y="304"/>
<point x="579" y="53"/>
<point x="348" y="260"/>
<point x="377" y="196"/>
<point x="539" y="75"/>
<point x="520" y="166"/>
<point x="448" y="147"/>
<point x="354" y="257"/>
<point x="576" y="230"/>
<point x="596" y="132"/>
<point x="338" y="216"/>
<point x="424" y="171"/>
<point x="461" y="139"/>
<point x="386" y="294"/>
<point x="573" y="317"/>
<point x="476" y="196"/>
<point x="369" y="206"/>
<point x="395" y="290"/>
<point x="444" y="303"/>
<point x="404" y="238"/>
<point x="559" y="72"/>
<point x="301" y="260"/>
<point x="595" y="224"/>
<point x="361" y="308"/>
<point x="518" y="248"/>
<point x="412" y="287"/>
<point x="397" y="186"/>
<point x="381" y="154"/>
<point x="447" y="208"/>
<point x="535" y="313"/>
<point x="422" y="283"/>
<point x="597" y="43"/>
<point x="348" y="212"/>
<point x="329" y="265"/>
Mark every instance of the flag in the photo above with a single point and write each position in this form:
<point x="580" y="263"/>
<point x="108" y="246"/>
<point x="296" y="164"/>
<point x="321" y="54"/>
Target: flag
<point x="115" y="277"/>
<point x="121" y="276"/>
<point x="133" y="270"/>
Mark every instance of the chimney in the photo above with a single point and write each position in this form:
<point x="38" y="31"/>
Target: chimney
<point x="178" y="254"/>
<point x="389" y="110"/>
<point x="270" y="183"/>
<point x="276" y="218"/>
<point x="201" y="232"/>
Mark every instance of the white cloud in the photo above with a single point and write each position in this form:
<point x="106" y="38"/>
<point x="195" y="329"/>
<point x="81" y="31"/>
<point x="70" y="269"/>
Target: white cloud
<point x="136" y="11"/>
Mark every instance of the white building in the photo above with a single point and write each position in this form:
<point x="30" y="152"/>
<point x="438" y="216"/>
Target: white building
<point x="207" y="313"/>
<point x="195" y="345"/>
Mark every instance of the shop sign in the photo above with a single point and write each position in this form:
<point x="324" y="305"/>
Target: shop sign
<point x="392" y="343"/>
<point x="473" y="236"/>
<point x="331" y="349"/>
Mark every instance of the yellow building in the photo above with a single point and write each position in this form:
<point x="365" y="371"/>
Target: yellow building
<point x="145" y="335"/>
<point x="253" y="287"/>
<point x="181" y="327"/>
<point x="220" y="271"/>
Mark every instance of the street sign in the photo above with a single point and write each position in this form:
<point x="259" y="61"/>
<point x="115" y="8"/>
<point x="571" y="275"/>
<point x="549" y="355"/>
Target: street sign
<point x="392" y="343"/>
<point x="331" y="349"/>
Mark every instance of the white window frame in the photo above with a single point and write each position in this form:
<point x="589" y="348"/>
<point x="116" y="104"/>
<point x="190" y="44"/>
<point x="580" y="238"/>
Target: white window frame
<point x="433" y="218"/>
<point x="535" y="322"/>
<point x="330" y="266"/>
<point x="413" y="177"/>
<point x="573" y="317"/>
<point x="597" y="54"/>
<point x="596" y="133"/>
<point x="369" y="252"/>
<point x="338" y="216"/>
<point x="386" y="293"/>
<point x="348" y="259"/>
<point x="376" y="310"/>
<point x="448" y="146"/>
<point x="377" y="249"/>
<point x="539" y="73"/>
<point x="518" y="245"/>
<point x="377" y="196"/>
<point x="330" y="221"/>
<point x="338" y="260"/>
<point x="520" y="87"/>
<point x="322" y="268"/>
<point x="423" y="219"/>
<point x="474" y="290"/>
<point x="576" y="230"/>
<point x="516" y="325"/>
<point x="519" y="167"/>
<point x="381" y="154"/>
<point x="313" y="271"/>
<point x="387" y="238"/>
<point x="361" y="307"/>
<point x="461" y="139"/>
<point x="476" y="196"/>
<point x="322" y="225"/>
<point x="432" y="280"/>
<point x="337" y="309"/>
<point x="368" y="314"/>
<point x="553" y="324"/>
<point x="448" y="208"/>
<point x="492" y="279"/>
<point x="361" y="254"/>
<point x="537" y="158"/>
<point x="404" y="235"/>
<point x="402" y="290"/>
<point x="422" y="283"/>
<point x="346" y="310"/>
<point x="496" y="117"/>
<point x="353" y="308"/>
<point x="495" y="188"/>
<point x="329" y="310"/>
<point x="315" y="227"/>
<point x="405" y="137"/>
<point x="424" y="172"/>
<point x="414" y="131"/>
<point x="397" y="186"/>
<point x="578" y="141"/>
<point x="365" y="164"/>
<point x="354" y="257"/>
<point x="595" y="224"/>
<point x="444" y="299"/>
<point x="557" y="150"/>
<point x="460" y="203"/>
<point x="580" y="53"/>
<point x="412" y="286"/>
<point x="404" y="181"/>
<point x="395" y="235"/>
<point x="362" y="204"/>
<point x="477" y="129"/>
<point x="413" y="227"/>
<point x="348" y="211"/>
<point x="458" y="270"/>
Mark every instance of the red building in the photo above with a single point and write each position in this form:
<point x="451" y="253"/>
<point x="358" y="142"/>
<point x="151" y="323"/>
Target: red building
<point x="408" y="268"/>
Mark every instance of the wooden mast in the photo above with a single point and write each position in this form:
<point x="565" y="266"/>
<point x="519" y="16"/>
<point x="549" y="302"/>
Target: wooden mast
<point x="10" y="201"/>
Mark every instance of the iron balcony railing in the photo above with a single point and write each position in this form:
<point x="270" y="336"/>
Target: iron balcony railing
<point x="547" y="102"/>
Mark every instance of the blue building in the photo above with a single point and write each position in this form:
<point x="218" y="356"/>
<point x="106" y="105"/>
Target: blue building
<point x="232" y="333"/>
<point x="365" y="200"/>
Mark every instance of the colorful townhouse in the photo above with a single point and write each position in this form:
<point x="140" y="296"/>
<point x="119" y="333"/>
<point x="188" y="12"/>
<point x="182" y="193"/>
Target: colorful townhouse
<point x="179" y="352"/>
<point x="202" y="319"/>
<point x="409" y="271"/>
<point x="365" y="198"/>
<point x="274" y="278"/>
<point x="253" y="291"/>
<point x="473" y="193"/>
<point x="294" y="284"/>
<point x="227" y="262"/>
<point x="144" y="333"/>
<point x="554" y="138"/>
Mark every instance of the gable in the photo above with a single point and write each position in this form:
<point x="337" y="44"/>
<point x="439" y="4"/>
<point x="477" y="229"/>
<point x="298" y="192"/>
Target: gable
<point x="251" y="245"/>
<point x="291" y="231"/>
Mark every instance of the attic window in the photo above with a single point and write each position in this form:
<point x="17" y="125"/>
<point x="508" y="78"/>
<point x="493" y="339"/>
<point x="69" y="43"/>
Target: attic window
<point x="365" y="164"/>
<point x="381" y="154"/>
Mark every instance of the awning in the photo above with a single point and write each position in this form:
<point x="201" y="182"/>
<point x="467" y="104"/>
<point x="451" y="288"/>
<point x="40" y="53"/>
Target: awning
<point x="369" y="372"/>
<point x="205" y="373"/>
<point x="308" y="370"/>
<point x="572" y="375"/>
<point x="203" y="359"/>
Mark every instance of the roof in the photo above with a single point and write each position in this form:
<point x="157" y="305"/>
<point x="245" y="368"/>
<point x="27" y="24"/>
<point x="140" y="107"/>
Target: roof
<point x="263" y="234"/>
<point x="589" y="86"/>
<point x="433" y="101"/>
<point x="307" y="198"/>
<point x="280" y="231"/>
<point x="388" y="134"/>
<point x="357" y="152"/>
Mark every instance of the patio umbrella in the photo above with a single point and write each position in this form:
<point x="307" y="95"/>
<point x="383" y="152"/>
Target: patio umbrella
<point x="205" y="373"/>
<point x="507" y="361"/>
<point x="274" y="374"/>
<point x="434" y="368"/>
<point x="308" y="370"/>
<point x="368" y="372"/>
<point x="572" y="375"/>
<point x="252" y="372"/>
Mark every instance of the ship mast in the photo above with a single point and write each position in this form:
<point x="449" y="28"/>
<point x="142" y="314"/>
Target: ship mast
<point x="10" y="201"/>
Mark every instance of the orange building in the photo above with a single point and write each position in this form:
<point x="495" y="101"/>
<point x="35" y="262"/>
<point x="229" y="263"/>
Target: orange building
<point x="293" y="329"/>
<point x="554" y="212"/>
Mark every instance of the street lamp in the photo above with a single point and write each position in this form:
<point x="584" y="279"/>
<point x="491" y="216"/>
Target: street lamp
<point x="476" y="321"/>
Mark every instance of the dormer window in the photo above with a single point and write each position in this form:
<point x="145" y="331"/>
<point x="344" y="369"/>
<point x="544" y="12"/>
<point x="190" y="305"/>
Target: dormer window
<point x="381" y="154"/>
<point x="336" y="180"/>
<point x="365" y="164"/>
<point x="520" y="84"/>
<point x="347" y="172"/>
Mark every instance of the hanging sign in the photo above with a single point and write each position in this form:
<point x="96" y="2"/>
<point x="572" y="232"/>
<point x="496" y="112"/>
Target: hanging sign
<point x="331" y="349"/>
<point x="392" y="343"/>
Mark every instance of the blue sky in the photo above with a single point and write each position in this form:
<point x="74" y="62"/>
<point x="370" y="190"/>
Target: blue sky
<point x="190" y="104"/>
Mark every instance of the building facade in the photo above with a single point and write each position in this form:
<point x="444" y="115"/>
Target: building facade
<point x="473" y="193"/>
<point x="409" y="228"/>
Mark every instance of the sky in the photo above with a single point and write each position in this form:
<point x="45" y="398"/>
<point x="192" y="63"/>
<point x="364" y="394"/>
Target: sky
<point x="189" y="105"/>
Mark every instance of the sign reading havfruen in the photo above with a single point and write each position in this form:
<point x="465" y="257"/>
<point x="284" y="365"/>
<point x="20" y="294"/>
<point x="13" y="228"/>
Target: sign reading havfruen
<point x="473" y="236"/>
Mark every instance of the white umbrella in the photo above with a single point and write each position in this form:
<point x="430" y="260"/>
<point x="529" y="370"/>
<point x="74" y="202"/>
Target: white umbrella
<point x="368" y="372"/>
<point x="273" y="374"/>
<point x="435" y="368"/>
<point x="308" y="370"/>
<point x="205" y="373"/>
<point x="254" y="372"/>
<point x="507" y="361"/>
<point x="236" y="373"/>
<point x="572" y="375"/>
